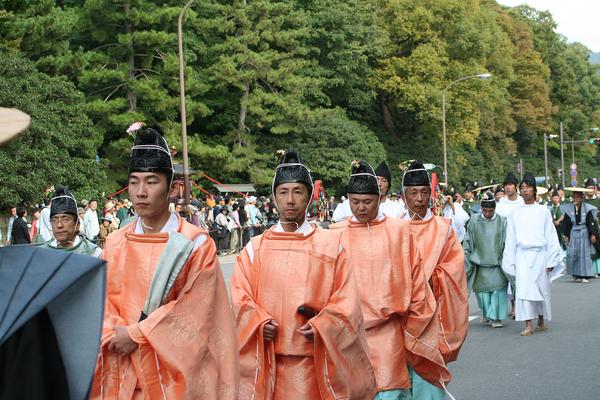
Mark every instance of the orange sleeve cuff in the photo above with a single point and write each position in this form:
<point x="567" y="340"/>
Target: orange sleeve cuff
<point x="135" y="333"/>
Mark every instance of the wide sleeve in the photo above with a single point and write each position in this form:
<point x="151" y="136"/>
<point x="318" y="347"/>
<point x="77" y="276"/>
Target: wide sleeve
<point x="566" y="226"/>
<point x="468" y="245"/>
<point x="421" y="328"/>
<point x="340" y="348"/>
<point x="591" y="224"/>
<point x="191" y="342"/>
<point x="509" y="263"/>
<point x="257" y="356"/>
<point x="450" y="290"/>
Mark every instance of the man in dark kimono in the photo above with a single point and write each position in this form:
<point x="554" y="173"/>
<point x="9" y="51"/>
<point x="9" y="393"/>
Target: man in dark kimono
<point x="581" y="230"/>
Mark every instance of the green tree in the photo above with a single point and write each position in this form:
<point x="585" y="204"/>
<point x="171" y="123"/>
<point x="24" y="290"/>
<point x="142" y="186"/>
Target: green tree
<point x="59" y="148"/>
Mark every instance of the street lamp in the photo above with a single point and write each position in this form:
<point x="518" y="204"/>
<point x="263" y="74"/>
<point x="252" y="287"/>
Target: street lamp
<point x="479" y="76"/>
<point x="186" y="165"/>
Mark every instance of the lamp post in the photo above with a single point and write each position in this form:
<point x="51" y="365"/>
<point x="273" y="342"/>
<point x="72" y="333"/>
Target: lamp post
<point x="479" y="76"/>
<point x="546" y="137"/>
<point x="186" y="165"/>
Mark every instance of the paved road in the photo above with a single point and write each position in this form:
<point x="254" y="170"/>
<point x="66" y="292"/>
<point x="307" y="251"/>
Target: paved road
<point x="562" y="363"/>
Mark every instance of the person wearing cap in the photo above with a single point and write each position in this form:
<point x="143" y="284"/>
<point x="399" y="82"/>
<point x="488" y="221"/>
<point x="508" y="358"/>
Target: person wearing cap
<point x="168" y="329"/>
<point x="64" y="218"/>
<point x="557" y="215"/>
<point x="106" y="228"/>
<point x="386" y="206"/>
<point x="499" y="193"/>
<point x="469" y="199"/>
<point x="484" y="245"/>
<point x="511" y="199"/>
<point x="300" y="326"/>
<point x="531" y="257"/>
<point x="443" y="265"/>
<point x="580" y="227"/>
<point x="396" y="300"/>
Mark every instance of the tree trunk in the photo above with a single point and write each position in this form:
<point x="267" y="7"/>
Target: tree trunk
<point x="388" y="122"/>
<point x="131" y="96"/>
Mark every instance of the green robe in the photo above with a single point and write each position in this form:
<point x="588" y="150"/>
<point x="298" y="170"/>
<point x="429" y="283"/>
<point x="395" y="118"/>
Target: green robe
<point x="557" y="212"/>
<point x="466" y="205"/>
<point x="84" y="247"/>
<point x="484" y="245"/>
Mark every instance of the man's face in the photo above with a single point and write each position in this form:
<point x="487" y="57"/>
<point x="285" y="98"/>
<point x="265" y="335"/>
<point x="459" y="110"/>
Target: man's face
<point x="384" y="185"/>
<point x="417" y="199"/>
<point x="148" y="191"/>
<point x="527" y="192"/>
<point x="577" y="198"/>
<point x="555" y="200"/>
<point x="488" y="213"/>
<point x="364" y="206"/>
<point x="291" y="200"/>
<point x="13" y="211"/>
<point x="510" y="189"/>
<point x="469" y="196"/>
<point x="459" y="198"/>
<point x="498" y="196"/>
<point x="93" y="205"/>
<point x="64" y="227"/>
<point x="593" y="190"/>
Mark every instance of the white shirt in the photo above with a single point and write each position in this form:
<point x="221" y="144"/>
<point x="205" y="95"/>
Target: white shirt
<point x="172" y="225"/>
<point x="97" y="252"/>
<point x="304" y="229"/>
<point x="45" y="226"/>
<point x="459" y="218"/>
<point x="505" y="206"/>
<point x="91" y="225"/>
<point x="428" y="216"/>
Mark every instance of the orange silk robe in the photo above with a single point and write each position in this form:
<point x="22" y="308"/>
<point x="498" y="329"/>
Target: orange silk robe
<point x="443" y="264"/>
<point x="187" y="347"/>
<point x="397" y="303"/>
<point x="289" y="270"/>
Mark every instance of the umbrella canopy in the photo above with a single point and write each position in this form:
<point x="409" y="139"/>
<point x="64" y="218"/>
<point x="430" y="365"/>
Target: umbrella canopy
<point x="13" y="122"/>
<point x="49" y="295"/>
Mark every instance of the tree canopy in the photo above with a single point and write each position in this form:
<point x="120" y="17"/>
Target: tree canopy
<point x="339" y="80"/>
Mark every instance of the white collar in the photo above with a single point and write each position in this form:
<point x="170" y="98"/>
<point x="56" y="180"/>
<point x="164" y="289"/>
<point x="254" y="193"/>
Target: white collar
<point x="428" y="216"/>
<point x="379" y="217"/>
<point x="172" y="225"/>
<point x="304" y="229"/>
<point x="54" y="242"/>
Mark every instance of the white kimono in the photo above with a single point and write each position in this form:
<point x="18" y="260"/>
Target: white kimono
<point x="505" y="206"/>
<point x="531" y="247"/>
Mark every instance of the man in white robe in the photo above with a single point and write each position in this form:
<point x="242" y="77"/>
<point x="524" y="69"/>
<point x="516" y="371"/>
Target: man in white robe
<point x="511" y="200"/>
<point x="531" y="253"/>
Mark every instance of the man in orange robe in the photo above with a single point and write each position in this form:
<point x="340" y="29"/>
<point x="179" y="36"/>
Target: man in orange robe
<point x="443" y="264"/>
<point x="168" y="329"/>
<point x="397" y="303"/>
<point x="300" y="327"/>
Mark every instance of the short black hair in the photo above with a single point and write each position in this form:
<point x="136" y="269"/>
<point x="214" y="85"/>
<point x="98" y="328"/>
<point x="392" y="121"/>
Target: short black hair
<point x="92" y="200"/>
<point x="21" y="210"/>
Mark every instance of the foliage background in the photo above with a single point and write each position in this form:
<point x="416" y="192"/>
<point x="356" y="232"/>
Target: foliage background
<point x="339" y="80"/>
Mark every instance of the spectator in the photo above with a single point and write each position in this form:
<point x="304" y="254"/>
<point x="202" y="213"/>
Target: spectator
<point x="105" y="229"/>
<point x="236" y="233"/>
<point x="45" y="226"/>
<point x="20" y="230"/>
<point x="252" y="222"/>
<point x="123" y="211"/>
<point x="217" y="207"/>
<point x="13" y="216"/>
<point x="35" y="231"/>
<point x="222" y="224"/>
<point x="91" y="226"/>
<point x="202" y="218"/>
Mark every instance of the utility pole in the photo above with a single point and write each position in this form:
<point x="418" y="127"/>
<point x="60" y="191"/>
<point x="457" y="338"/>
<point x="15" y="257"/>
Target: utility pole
<point x="184" y="145"/>
<point x="545" y="159"/>
<point x="562" y="154"/>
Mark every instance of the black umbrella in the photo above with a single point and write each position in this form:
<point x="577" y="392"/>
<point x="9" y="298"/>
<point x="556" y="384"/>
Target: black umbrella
<point x="51" y="310"/>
